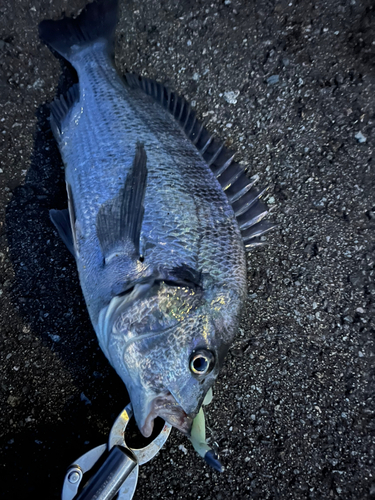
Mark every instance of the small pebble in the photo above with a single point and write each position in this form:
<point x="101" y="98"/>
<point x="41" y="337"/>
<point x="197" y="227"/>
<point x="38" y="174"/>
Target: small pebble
<point x="360" y="137"/>
<point x="271" y="80"/>
<point x="231" y="96"/>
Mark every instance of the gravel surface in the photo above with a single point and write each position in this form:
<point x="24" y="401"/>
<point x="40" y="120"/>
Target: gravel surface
<point x="290" y="86"/>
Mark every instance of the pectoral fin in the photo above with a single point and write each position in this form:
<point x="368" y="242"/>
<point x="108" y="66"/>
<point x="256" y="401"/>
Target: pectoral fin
<point x="119" y="221"/>
<point x="64" y="222"/>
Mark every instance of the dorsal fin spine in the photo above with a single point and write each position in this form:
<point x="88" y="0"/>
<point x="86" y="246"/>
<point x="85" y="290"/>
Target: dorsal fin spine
<point x="197" y="137"/>
<point x="190" y="131"/>
<point x="246" y="206"/>
<point x="244" y="190"/>
<point x="223" y="168"/>
<point x="182" y="105"/>
<point x="169" y="93"/>
<point x="204" y="149"/>
<point x="254" y="220"/>
<point x="216" y="154"/>
<point x="188" y="111"/>
<point x="174" y="105"/>
<point x="232" y="180"/>
<point x="256" y="231"/>
<point x="254" y="245"/>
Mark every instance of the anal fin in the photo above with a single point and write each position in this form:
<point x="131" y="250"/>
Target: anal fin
<point x="60" y="108"/>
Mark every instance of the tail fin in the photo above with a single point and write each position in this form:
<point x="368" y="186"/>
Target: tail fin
<point x="97" y="21"/>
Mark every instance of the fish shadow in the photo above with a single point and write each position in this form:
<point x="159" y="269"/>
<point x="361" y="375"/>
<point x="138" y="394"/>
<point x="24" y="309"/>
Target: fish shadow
<point x="47" y="296"/>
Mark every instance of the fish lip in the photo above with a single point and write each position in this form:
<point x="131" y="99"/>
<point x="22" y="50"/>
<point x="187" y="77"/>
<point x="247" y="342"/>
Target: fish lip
<point x="166" y="407"/>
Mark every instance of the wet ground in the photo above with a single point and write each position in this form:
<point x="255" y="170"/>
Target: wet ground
<point x="290" y="86"/>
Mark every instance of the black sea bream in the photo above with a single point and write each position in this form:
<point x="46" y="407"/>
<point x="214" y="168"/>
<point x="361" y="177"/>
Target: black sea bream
<point x="159" y="217"/>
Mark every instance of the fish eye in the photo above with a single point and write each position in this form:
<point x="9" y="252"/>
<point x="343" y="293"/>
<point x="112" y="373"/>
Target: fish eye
<point x="201" y="362"/>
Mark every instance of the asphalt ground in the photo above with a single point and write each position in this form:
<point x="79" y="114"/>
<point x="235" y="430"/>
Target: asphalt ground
<point x="290" y="86"/>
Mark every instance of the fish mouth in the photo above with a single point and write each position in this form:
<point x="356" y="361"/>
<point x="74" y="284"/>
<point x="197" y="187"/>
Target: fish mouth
<point x="167" y="408"/>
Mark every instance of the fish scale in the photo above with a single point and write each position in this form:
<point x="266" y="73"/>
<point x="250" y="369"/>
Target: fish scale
<point x="150" y="222"/>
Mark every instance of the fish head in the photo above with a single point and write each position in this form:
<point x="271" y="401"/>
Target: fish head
<point x="168" y="348"/>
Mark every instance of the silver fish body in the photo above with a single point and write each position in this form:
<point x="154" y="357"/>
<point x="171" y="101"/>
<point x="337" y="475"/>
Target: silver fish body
<point x="187" y="218"/>
<point x="164" y="294"/>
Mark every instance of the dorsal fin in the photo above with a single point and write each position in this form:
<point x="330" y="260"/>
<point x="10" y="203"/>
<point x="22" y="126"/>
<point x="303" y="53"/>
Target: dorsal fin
<point x="242" y="195"/>
<point x="119" y="220"/>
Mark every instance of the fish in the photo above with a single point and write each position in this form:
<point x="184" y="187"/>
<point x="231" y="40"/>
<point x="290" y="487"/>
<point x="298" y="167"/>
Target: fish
<point x="159" y="221"/>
